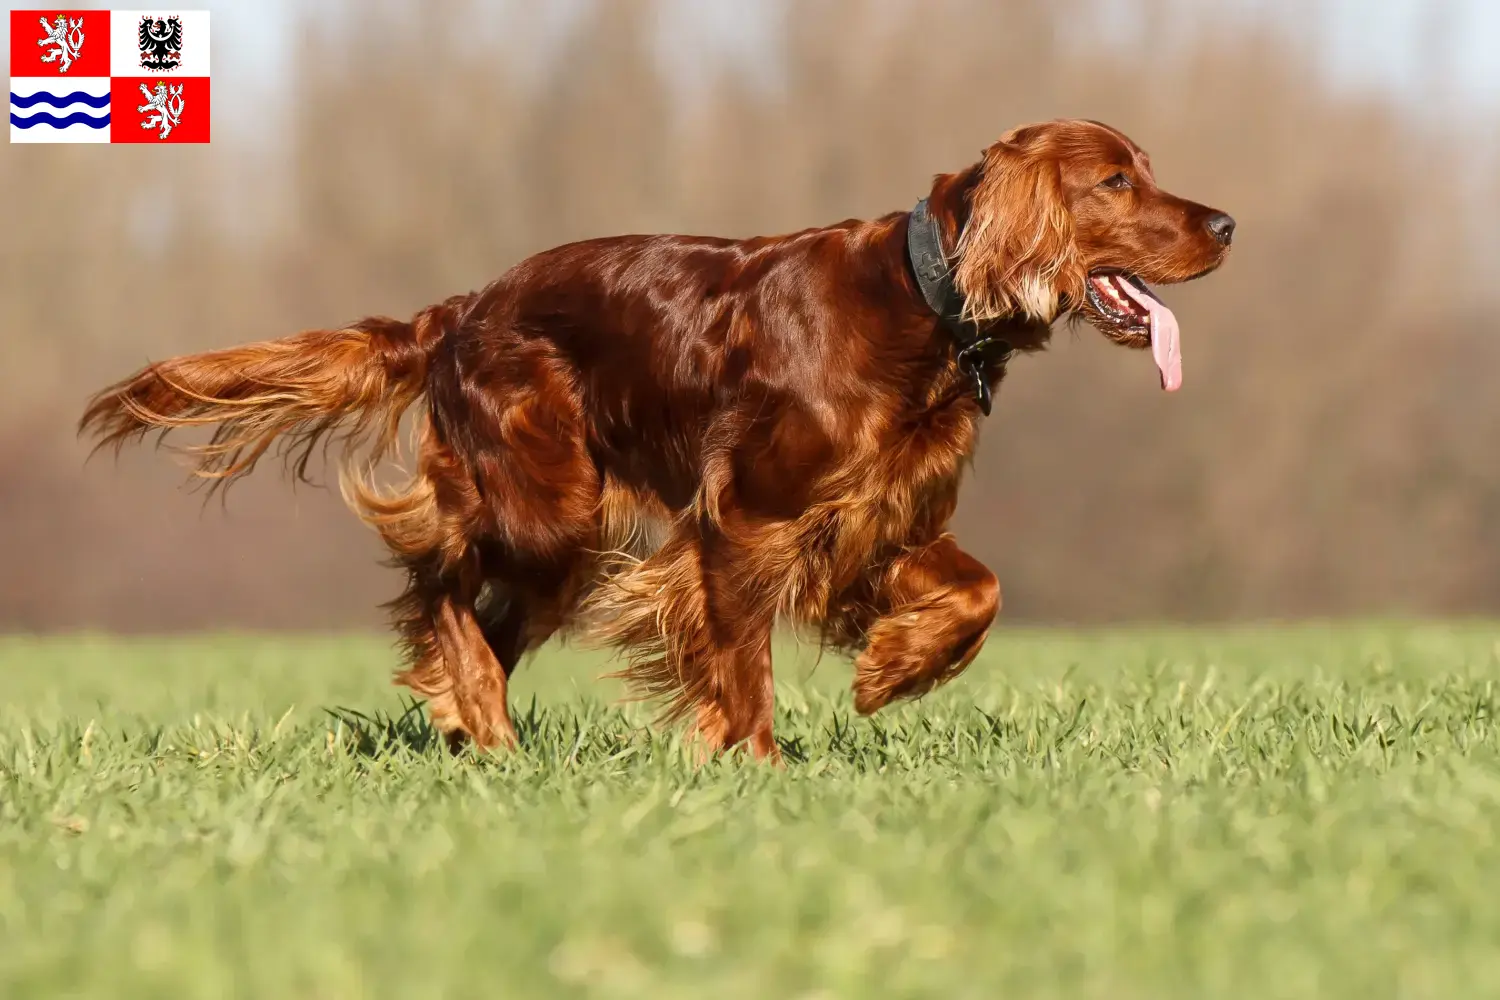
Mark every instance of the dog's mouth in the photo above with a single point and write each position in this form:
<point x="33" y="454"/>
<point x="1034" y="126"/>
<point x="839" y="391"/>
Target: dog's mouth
<point x="1126" y="311"/>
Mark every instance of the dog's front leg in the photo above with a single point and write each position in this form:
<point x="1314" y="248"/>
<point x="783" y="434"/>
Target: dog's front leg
<point x="735" y="655"/>
<point x="699" y="635"/>
<point x="741" y="710"/>
<point x="939" y="603"/>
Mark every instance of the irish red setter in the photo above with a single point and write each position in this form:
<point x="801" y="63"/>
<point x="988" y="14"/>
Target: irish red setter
<point x="669" y="443"/>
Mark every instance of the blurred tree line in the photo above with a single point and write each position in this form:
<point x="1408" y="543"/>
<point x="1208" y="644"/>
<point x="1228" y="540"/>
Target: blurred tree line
<point x="1333" y="452"/>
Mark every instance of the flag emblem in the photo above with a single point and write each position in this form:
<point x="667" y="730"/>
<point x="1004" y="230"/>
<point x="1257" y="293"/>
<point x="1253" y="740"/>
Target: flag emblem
<point x="109" y="76"/>
<point x="167" y="102"/>
<point x="64" y="40"/>
<point x="161" y="42"/>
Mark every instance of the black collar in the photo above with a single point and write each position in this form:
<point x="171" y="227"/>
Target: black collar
<point x="977" y="351"/>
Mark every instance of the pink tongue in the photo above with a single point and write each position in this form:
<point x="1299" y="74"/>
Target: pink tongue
<point x="1166" y="344"/>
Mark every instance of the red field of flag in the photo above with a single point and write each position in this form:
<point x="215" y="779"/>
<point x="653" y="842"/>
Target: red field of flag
<point x="128" y="124"/>
<point x="29" y="27"/>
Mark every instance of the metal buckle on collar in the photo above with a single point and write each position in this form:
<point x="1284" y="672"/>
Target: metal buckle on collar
<point x="972" y="361"/>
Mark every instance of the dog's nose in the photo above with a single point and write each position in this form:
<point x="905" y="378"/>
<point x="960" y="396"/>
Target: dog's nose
<point x="1221" y="227"/>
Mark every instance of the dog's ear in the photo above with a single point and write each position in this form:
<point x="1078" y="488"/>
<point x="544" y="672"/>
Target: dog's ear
<point x="1016" y="255"/>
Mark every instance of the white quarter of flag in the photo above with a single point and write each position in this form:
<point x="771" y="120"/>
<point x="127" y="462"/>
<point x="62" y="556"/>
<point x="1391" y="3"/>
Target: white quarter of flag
<point x="171" y="43"/>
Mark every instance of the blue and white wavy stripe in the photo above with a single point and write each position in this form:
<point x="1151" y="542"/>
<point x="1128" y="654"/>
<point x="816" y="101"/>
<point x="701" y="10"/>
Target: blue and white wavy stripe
<point x="44" y="118"/>
<point x="73" y="108"/>
<point x="76" y="97"/>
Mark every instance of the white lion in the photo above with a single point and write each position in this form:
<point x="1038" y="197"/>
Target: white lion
<point x="66" y="35"/>
<point x="168" y="102"/>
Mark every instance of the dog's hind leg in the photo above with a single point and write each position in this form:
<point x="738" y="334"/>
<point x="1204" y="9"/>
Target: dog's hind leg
<point x="520" y="611"/>
<point x="506" y="495"/>
<point x="464" y="644"/>
<point x="452" y="663"/>
<point x="434" y="529"/>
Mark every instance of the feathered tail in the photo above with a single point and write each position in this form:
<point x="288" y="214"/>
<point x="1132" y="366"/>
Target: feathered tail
<point x="349" y="386"/>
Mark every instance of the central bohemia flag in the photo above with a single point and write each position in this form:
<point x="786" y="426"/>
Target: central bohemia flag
<point x="109" y="76"/>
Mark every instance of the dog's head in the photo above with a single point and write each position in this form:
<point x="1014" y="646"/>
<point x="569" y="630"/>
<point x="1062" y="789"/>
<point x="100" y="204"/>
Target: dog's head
<point x="1065" y="217"/>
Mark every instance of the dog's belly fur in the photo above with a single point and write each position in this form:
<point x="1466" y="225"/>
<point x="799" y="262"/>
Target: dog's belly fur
<point x="801" y="567"/>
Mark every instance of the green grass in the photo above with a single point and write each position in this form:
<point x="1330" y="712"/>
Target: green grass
<point x="1302" y="812"/>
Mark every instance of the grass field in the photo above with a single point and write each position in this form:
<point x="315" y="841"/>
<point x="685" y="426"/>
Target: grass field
<point x="1309" y="812"/>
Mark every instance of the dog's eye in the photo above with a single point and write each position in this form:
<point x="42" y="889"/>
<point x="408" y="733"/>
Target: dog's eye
<point x="1118" y="182"/>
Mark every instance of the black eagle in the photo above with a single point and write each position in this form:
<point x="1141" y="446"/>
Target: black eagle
<point x="161" y="42"/>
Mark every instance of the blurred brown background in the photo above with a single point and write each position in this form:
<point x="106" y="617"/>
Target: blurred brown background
<point x="1333" y="452"/>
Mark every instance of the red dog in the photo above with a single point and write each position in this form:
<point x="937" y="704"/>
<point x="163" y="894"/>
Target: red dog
<point x="666" y="443"/>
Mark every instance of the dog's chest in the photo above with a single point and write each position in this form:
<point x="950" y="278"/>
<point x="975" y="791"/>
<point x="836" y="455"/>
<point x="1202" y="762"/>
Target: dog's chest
<point x="904" y="488"/>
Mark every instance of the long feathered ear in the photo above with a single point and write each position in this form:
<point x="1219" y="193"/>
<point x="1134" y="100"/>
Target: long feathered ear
<point x="1016" y="255"/>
